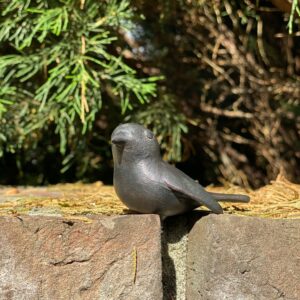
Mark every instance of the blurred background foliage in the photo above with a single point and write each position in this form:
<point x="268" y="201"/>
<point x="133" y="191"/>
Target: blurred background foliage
<point x="217" y="81"/>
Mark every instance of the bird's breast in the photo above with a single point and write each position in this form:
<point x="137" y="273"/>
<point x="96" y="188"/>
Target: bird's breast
<point x="138" y="187"/>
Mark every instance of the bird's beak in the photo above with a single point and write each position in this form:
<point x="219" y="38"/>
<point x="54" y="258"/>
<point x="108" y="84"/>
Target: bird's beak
<point x="118" y="139"/>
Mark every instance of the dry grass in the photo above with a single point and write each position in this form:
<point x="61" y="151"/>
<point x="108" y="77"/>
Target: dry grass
<point x="280" y="199"/>
<point x="66" y="199"/>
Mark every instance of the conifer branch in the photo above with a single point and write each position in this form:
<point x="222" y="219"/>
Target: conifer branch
<point x="59" y="56"/>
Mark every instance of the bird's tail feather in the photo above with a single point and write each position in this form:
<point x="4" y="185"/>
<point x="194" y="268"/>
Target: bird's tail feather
<point x="231" y="197"/>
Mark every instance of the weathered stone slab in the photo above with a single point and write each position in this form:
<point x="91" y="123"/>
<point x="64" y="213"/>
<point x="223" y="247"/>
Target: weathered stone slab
<point x="243" y="258"/>
<point x="54" y="258"/>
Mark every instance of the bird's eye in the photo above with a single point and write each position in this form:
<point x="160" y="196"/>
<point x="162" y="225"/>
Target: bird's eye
<point x="149" y="135"/>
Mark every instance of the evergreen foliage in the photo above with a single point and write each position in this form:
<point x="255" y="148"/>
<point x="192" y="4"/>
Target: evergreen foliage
<point x="59" y="63"/>
<point x="60" y="66"/>
<point x="217" y="81"/>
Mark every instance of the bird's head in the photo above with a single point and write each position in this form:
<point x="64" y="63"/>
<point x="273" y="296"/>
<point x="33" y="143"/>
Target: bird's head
<point x="133" y="142"/>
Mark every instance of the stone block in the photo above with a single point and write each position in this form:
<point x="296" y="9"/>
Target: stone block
<point x="243" y="258"/>
<point x="55" y="258"/>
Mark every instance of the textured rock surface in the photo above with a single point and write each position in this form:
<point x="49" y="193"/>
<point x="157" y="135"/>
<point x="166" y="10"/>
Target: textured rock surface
<point x="243" y="258"/>
<point x="174" y="241"/>
<point x="107" y="258"/>
<point x="174" y="247"/>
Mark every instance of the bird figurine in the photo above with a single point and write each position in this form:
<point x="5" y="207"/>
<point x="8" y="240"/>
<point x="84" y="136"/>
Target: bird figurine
<point x="147" y="184"/>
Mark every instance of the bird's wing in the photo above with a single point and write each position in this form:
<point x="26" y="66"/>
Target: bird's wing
<point x="186" y="188"/>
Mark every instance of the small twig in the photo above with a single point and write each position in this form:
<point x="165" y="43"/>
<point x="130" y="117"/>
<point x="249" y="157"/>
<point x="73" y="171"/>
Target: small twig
<point x="82" y="4"/>
<point x="245" y="38"/>
<point x="218" y="69"/>
<point x="236" y="138"/>
<point x="83" y="45"/>
<point x="216" y="48"/>
<point x="260" y="42"/>
<point x="226" y="113"/>
<point x="281" y="35"/>
<point x="134" y="258"/>
<point x="84" y="104"/>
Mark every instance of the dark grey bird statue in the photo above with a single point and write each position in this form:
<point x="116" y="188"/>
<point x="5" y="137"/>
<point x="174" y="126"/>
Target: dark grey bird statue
<point x="147" y="184"/>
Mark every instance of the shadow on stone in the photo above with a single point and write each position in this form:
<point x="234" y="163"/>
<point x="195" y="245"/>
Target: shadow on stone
<point x="174" y="243"/>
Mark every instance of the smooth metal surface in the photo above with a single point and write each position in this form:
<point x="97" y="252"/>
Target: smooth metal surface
<point x="147" y="184"/>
